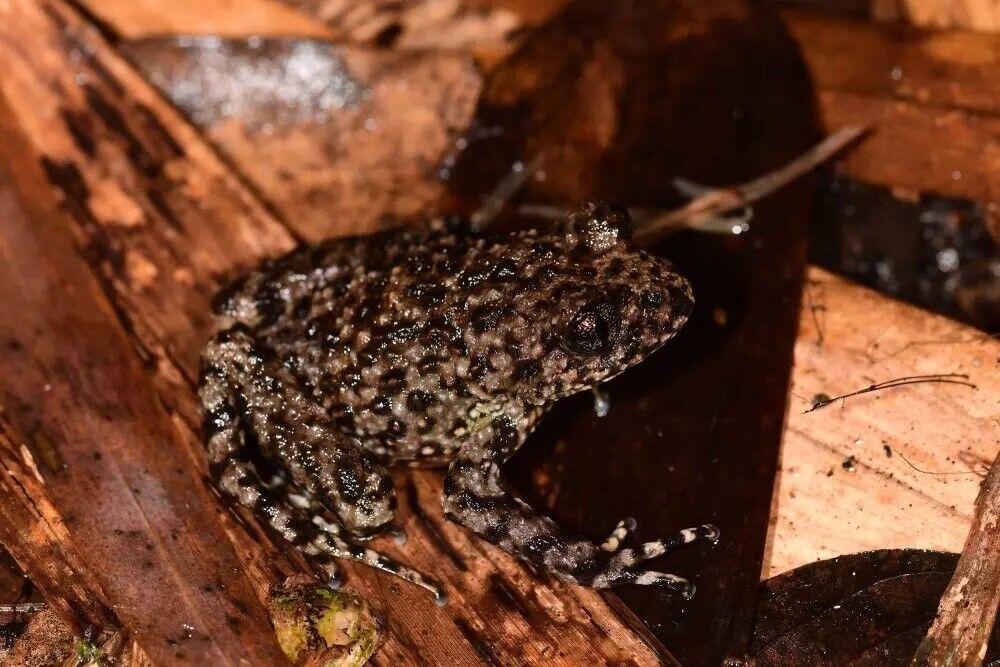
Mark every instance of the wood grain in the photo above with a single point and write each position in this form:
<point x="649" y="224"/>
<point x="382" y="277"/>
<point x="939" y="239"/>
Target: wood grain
<point x="930" y="98"/>
<point x="976" y="14"/>
<point x="940" y="438"/>
<point x="143" y="189"/>
<point x="91" y="438"/>
<point x="133" y="19"/>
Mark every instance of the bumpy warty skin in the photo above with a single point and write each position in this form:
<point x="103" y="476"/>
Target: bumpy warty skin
<point x="408" y="346"/>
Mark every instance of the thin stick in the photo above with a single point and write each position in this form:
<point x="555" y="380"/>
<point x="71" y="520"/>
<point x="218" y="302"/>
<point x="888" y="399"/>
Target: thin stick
<point x="715" y="203"/>
<point x="505" y="189"/>
<point x="945" y="378"/>
<point x="704" y="211"/>
<point x="968" y="608"/>
<point x="930" y="472"/>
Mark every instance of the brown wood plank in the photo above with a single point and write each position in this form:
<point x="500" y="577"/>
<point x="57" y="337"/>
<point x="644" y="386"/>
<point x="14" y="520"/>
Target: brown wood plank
<point x="932" y="99"/>
<point x="365" y="149"/>
<point x="976" y="14"/>
<point x="132" y="19"/>
<point x="917" y="149"/>
<point x="941" y="68"/>
<point x="145" y="190"/>
<point x="81" y="410"/>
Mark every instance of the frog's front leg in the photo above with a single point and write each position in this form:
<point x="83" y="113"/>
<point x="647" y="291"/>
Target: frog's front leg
<point x="256" y="412"/>
<point x="475" y="498"/>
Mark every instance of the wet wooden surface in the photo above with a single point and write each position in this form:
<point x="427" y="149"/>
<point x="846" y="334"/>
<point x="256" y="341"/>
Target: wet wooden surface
<point x="148" y="202"/>
<point x="158" y="219"/>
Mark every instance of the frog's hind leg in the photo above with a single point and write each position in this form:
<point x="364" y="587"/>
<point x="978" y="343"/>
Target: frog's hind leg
<point x="299" y="519"/>
<point x="252" y="408"/>
<point x="256" y="409"/>
<point x="475" y="498"/>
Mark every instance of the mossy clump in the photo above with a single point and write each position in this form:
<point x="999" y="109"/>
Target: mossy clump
<point x="317" y="626"/>
<point x="87" y="653"/>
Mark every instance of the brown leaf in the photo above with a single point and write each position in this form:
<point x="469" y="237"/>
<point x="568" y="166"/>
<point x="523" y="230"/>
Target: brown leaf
<point x="871" y="608"/>
<point x="327" y="133"/>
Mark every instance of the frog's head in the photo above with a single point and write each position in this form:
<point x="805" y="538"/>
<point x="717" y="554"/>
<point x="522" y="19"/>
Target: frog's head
<point x="606" y="308"/>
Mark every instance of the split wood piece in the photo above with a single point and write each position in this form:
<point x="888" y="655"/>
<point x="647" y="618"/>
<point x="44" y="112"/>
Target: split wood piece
<point x="133" y="19"/>
<point x="944" y="69"/>
<point x="416" y="25"/>
<point x="968" y="607"/>
<point x="164" y="219"/>
<point x="976" y="14"/>
<point x="932" y="99"/>
<point x="91" y="478"/>
<point x="893" y="469"/>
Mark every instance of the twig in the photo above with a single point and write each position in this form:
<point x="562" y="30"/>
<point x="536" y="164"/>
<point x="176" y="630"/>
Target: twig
<point x="813" y="309"/>
<point x="940" y="341"/>
<point x="929" y="472"/>
<point x="945" y="378"/>
<point x="715" y="203"/>
<point x="703" y="212"/>
<point x="501" y="194"/>
<point x="968" y="608"/>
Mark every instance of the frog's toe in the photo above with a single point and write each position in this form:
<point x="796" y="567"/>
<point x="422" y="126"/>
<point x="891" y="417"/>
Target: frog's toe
<point x="622" y="531"/>
<point x="398" y="534"/>
<point x="616" y="576"/>
<point x="671" y="582"/>
<point x="650" y="550"/>
<point x="333" y="577"/>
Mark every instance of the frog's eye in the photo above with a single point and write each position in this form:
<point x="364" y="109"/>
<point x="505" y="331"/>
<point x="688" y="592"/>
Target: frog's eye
<point x="592" y="330"/>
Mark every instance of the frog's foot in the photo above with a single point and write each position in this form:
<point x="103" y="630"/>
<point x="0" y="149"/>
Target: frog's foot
<point x="620" y="567"/>
<point x="475" y="497"/>
<point x="299" y="519"/>
<point x="326" y="546"/>
<point x="650" y="550"/>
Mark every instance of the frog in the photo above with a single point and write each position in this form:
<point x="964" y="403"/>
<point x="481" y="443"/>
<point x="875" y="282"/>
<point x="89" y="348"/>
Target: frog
<point x="433" y="345"/>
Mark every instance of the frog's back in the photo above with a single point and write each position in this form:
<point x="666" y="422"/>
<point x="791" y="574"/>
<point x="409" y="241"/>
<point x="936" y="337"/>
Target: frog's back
<point x="405" y="337"/>
<point x="378" y="329"/>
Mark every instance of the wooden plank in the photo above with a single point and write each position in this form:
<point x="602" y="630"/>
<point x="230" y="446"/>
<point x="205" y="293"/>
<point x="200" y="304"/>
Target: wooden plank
<point x="145" y="188"/>
<point x="942" y="68"/>
<point x="917" y="149"/>
<point x="932" y="99"/>
<point x="362" y="146"/>
<point x="79" y="437"/>
<point x="133" y="19"/>
<point x="940" y="437"/>
<point x="975" y="14"/>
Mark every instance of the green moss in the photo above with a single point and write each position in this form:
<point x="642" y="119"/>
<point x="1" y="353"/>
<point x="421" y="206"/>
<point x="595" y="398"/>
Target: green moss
<point x="315" y="623"/>
<point x="87" y="654"/>
<point x="293" y="637"/>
